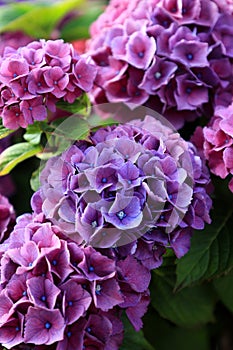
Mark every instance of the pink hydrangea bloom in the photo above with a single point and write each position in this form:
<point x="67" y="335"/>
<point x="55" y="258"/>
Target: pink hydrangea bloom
<point x="148" y="52"/>
<point x="216" y="142"/>
<point x="35" y="77"/>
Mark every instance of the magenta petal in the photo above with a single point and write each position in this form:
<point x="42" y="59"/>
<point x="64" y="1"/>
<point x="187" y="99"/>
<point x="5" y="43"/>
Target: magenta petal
<point x="140" y="50"/>
<point x="135" y="274"/>
<point x="13" y="68"/>
<point x="11" y="334"/>
<point x="97" y="266"/>
<point x="26" y="256"/>
<point x="191" y="53"/>
<point x="6" y="308"/>
<point x="226" y="124"/>
<point x="42" y="292"/>
<point x="106" y="294"/>
<point x="98" y="328"/>
<point x="135" y="313"/>
<point x="84" y="74"/>
<point x="77" y="301"/>
<point x="73" y="336"/>
<point x="59" y="261"/>
<point x="228" y="158"/>
<point x="17" y="287"/>
<point x="43" y="326"/>
<point x="46" y="239"/>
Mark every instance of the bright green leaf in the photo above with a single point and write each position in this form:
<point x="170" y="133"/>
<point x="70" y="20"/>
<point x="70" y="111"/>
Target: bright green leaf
<point x="33" y="134"/>
<point x="132" y="339"/>
<point x="189" y="307"/>
<point x="224" y="289"/>
<point x="11" y="12"/>
<point x="15" y="154"/>
<point x="41" y="19"/>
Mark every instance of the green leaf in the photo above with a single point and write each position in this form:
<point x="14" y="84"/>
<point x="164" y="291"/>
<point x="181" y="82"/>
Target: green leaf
<point x="40" y="20"/>
<point x="33" y="133"/>
<point x="72" y="128"/>
<point x="164" y="335"/>
<point x="62" y="133"/>
<point x="35" y="179"/>
<point x="4" y="131"/>
<point x="11" y="12"/>
<point x="224" y="289"/>
<point x="211" y="252"/>
<point x="132" y="339"/>
<point x="80" y="106"/>
<point x="15" y="154"/>
<point x="187" y="308"/>
<point x="96" y="122"/>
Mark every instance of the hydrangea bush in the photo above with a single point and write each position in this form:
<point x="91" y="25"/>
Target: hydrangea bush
<point x="128" y="238"/>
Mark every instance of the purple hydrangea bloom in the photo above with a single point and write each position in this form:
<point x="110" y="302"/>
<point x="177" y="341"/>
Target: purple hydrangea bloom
<point x="63" y="295"/>
<point x="157" y="49"/>
<point x="34" y="77"/>
<point x="135" y="182"/>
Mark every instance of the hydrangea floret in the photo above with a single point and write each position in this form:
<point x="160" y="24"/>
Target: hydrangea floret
<point x="33" y="78"/>
<point x="172" y="56"/>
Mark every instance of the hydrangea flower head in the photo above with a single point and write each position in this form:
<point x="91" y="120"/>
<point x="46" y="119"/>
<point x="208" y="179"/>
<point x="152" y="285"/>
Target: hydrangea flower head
<point x="128" y="181"/>
<point x="35" y="77"/>
<point x="150" y="53"/>
<point x="216" y="142"/>
<point x="56" y="292"/>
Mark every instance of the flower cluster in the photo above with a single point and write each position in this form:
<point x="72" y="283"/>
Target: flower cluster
<point x="216" y="142"/>
<point x="55" y="292"/>
<point x="7" y="217"/>
<point x="173" y="56"/>
<point x="34" y="77"/>
<point x="134" y="182"/>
